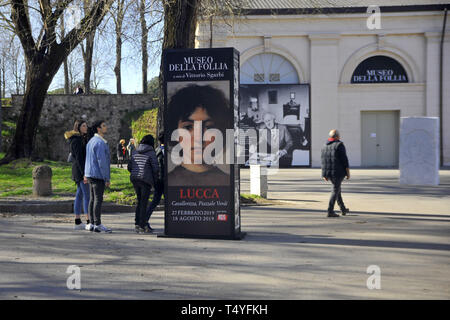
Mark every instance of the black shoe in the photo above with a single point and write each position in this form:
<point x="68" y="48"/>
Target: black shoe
<point x="150" y="228"/>
<point x="332" y="215"/>
<point x="345" y="211"/>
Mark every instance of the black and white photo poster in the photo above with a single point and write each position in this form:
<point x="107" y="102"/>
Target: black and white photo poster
<point x="284" y="112"/>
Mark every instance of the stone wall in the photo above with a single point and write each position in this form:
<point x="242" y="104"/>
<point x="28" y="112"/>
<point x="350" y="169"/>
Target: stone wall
<point x="60" y="112"/>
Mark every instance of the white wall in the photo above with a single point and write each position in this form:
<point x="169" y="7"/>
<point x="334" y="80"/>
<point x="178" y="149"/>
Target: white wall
<point x="325" y="49"/>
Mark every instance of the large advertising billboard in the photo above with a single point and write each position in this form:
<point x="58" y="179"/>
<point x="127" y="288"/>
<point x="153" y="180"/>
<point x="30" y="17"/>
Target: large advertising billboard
<point x="201" y="88"/>
<point x="278" y="116"/>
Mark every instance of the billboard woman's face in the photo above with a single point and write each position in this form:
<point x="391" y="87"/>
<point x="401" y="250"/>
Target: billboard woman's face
<point x="199" y="114"/>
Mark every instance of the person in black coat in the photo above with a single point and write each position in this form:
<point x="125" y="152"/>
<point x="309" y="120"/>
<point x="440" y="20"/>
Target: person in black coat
<point x="159" y="185"/>
<point x="77" y="139"/>
<point x="334" y="168"/>
<point x="121" y="153"/>
<point x="144" y="171"/>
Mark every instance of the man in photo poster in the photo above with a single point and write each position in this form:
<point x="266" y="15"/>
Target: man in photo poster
<point x="275" y="131"/>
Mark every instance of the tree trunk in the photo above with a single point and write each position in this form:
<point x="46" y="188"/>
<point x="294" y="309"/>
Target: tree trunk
<point x="144" y="44"/>
<point x="39" y="78"/>
<point x="1" y="119"/>
<point x="66" y="67"/>
<point x="87" y="57"/>
<point x="66" y="78"/>
<point x="88" y="52"/>
<point x="118" y="61"/>
<point x="180" y="21"/>
<point x="3" y="79"/>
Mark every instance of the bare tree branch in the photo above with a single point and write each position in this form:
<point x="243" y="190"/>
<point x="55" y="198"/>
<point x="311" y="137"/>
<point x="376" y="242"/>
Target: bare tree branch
<point x="21" y="20"/>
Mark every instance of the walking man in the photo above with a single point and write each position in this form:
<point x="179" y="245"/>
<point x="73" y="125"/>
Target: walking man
<point x="97" y="172"/>
<point x="335" y="168"/>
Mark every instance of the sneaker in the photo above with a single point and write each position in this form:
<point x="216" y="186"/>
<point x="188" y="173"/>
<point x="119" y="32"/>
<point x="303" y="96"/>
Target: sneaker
<point x="80" y="226"/>
<point x="345" y="211"/>
<point x="150" y="228"/>
<point x="332" y="215"/>
<point x="146" y="229"/>
<point x="102" y="228"/>
<point x="89" y="227"/>
<point x="137" y="229"/>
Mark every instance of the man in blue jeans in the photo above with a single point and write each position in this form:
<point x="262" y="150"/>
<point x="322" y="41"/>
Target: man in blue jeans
<point x="97" y="172"/>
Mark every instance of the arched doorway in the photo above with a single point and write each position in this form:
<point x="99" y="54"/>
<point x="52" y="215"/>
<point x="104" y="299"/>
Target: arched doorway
<point x="379" y="128"/>
<point x="271" y="97"/>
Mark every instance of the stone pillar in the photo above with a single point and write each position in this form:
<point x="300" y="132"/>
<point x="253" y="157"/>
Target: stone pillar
<point x="42" y="181"/>
<point x="446" y="98"/>
<point x="419" y="150"/>
<point x="258" y="180"/>
<point x="324" y="89"/>
<point x="432" y="74"/>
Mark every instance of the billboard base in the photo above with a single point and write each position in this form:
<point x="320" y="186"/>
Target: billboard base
<point x="238" y="236"/>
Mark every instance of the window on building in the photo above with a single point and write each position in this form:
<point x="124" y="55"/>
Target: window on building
<point x="273" y="96"/>
<point x="268" y="68"/>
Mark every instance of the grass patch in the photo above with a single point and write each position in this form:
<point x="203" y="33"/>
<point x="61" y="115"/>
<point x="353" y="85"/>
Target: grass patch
<point x="16" y="180"/>
<point x="6" y="102"/>
<point x="253" y="199"/>
<point x="144" y="123"/>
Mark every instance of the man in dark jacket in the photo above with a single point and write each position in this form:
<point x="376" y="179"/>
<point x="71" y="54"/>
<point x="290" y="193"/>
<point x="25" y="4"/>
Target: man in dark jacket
<point x="159" y="185"/>
<point x="335" y="168"/>
<point x="144" y="170"/>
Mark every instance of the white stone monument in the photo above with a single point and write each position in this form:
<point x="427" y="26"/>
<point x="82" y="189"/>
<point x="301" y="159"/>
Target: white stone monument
<point x="258" y="180"/>
<point x="419" y="151"/>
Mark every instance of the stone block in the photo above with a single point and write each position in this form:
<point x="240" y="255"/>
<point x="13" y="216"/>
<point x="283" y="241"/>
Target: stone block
<point x="258" y="180"/>
<point x="42" y="181"/>
<point x="419" y="151"/>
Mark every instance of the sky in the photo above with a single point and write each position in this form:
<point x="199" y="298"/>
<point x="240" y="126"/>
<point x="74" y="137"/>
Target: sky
<point x="131" y="77"/>
<point x="130" y="71"/>
<point x="130" y="66"/>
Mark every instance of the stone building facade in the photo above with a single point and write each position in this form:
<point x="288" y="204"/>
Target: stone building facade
<point x="60" y="112"/>
<point x="324" y="43"/>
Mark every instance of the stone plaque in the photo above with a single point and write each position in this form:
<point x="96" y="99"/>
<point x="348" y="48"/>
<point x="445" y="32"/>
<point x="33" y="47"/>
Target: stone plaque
<point x="419" y="151"/>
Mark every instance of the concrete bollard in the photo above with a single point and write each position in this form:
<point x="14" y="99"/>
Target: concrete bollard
<point x="42" y="181"/>
<point x="258" y="180"/>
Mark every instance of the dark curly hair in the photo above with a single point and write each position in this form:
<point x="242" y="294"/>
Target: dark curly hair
<point x="184" y="102"/>
<point x="148" y="140"/>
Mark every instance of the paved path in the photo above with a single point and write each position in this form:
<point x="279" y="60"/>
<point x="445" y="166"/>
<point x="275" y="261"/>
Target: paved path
<point x="291" y="251"/>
